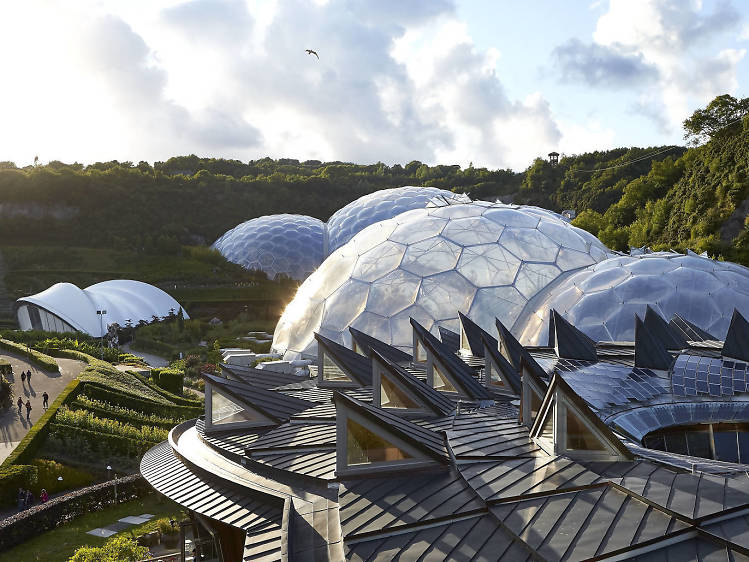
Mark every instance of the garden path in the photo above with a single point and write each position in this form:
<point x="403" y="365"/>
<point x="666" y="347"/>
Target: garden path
<point x="13" y="427"/>
<point x="150" y="358"/>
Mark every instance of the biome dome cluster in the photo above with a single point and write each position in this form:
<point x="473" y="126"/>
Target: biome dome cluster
<point x="295" y="245"/>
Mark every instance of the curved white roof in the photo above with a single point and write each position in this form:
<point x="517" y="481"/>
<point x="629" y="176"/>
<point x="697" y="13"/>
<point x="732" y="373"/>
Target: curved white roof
<point x="123" y="299"/>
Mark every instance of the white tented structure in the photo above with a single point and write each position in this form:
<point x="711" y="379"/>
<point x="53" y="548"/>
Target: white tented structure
<point x="65" y="307"/>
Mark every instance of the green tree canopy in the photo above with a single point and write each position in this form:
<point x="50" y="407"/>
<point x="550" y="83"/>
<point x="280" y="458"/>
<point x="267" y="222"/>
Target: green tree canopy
<point x="723" y="113"/>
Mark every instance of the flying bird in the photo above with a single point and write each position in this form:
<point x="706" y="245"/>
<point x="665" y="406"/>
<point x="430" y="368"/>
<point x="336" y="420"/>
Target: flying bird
<point x="311" y="52"/>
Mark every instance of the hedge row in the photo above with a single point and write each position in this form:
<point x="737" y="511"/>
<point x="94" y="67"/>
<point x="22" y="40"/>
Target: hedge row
<point x="126" y="415"/>
<point x="181" y="400"/>
<point x="175" y="411"/>
<point x="37" y="358"/>
<point x="26" y="450"/>
<point x="169" y="380"/>
<point x="35" y="520"/>
<point x="14" y="477"/>
<point x="85" y="419"/>
<point x="77" y="438"/>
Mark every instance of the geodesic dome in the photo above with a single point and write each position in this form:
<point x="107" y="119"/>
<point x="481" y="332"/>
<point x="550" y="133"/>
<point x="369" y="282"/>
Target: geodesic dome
<point x="378" y="206"/>
<point x="602" y="299"/>
<point x="482" y="259"/>
<point x="285" y="244"/>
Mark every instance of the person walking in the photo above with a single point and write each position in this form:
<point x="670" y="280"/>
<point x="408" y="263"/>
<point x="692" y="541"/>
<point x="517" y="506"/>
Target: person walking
<point x="29" y="498"/>
<point x="28" y="376"/>
<point x="45" y="400"/>
<point x="28" y="410"/>
<point x="20" y="405"/>
<point x="23" y="377"/>
<point x="44" y="496"/>
<point x="21" y="498"/>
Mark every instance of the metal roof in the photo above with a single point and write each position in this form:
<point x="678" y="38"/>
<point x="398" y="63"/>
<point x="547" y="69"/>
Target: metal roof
<point x="495" y="494"/>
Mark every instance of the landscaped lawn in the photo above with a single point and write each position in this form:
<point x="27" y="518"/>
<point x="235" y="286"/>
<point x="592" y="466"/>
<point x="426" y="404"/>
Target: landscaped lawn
<point x="59" y="544"/>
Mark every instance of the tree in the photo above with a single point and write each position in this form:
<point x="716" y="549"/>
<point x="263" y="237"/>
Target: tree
<point x="721" y="116"/>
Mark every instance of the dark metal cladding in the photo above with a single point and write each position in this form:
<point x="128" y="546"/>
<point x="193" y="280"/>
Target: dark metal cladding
<point x="449" y="338"/>
<point x="670" y="337"/>
<point x="569" y="342"/>
<point x="271" y="404"/>
<point x="473" y="333"/>
<point x="737" y="338"/>
<point x="460" y="371"/>
<point x="367" y="343"/>
<point x="650" y="353"/>
<point x="689" y="331"/>
<point x="357" y="367"/>
<point x="258" y="377"/>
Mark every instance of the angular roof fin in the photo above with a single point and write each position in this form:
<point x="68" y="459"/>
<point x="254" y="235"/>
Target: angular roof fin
<point x="737" y="338"/>
<point x="515" y="353"/>
<point x="662" y="331"/>
<point x="650" y="353"/>
<point x="688" y="330"/>
<point x="569" y="342"/>
<point x="429" y="398"/>
<point x="460" y="372"/>
<point x="473" y="334"/>
<point x="357" y="367"/>
<point x="368" y="343"/>
<point x="506" y="372"/>
<point x="449" y="338"/>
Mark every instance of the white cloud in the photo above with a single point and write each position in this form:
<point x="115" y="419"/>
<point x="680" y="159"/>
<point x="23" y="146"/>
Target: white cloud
<point x="675" y="38"/>
<point x="141" y="80"/>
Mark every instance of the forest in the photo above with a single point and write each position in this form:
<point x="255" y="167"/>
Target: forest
<point x="663" y="196"/>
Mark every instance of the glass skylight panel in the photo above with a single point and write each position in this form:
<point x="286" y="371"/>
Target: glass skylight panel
<point x="365" y="447"/>
<point x="225" y="410"/>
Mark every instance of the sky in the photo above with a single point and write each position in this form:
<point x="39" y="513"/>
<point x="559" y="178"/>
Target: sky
<point x="495" y="83"/>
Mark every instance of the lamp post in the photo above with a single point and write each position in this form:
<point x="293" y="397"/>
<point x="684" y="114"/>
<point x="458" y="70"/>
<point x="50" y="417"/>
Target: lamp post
<point x="101" y="314"/>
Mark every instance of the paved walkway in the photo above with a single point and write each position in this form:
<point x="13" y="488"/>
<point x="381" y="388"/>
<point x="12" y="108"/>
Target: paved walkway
<point x="13" y="427"/>
<point x="150" y="358"/>
<point x="121" y="525"/>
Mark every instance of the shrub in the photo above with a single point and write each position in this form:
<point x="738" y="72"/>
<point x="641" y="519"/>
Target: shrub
<point x="118" y="549"/>
<point x="49" y="471"/>
<point x="44" y="362"/>
<point x="35" y="520"/>
<point x="126" y="415"/>
<point x="165" y="526"/>
<point x="129" y="401"/>
<point x="6" y="393"/>
<point x="87" y="420"/>
<point x="64" y="437"/>
<point x="14" y="477"/>
<point x="169" y="379"/>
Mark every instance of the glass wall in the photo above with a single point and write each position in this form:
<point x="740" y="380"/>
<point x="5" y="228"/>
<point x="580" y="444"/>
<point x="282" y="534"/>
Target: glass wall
<point x="41" y="319"/>
<point x="718" y="441"/>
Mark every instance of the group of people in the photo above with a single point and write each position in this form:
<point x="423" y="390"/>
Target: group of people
<point x="26" y="376"/>
<point x="26" y="498"/>
<point x="45" y="405"/>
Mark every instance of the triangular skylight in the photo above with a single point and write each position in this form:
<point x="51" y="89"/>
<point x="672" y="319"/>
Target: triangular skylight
<point x="567" y="426"/>
<point x="363" y="446"/>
